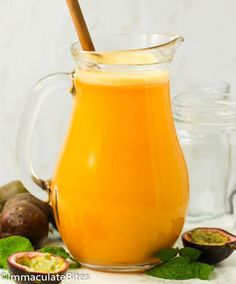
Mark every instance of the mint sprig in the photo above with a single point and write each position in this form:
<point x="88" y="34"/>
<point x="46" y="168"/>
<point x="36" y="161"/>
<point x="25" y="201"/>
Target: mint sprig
<point x="180" y="264"/>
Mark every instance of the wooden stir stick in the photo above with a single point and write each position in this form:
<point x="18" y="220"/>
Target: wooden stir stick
<point x="80" y="25"/>
<point x="81" y="29"/>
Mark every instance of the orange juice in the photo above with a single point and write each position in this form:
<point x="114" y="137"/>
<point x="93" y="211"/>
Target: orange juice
<point x="120" y="189"/>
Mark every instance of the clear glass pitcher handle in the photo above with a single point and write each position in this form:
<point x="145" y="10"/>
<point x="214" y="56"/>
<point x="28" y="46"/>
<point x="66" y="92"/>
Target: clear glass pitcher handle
<point x="46" y="86"/>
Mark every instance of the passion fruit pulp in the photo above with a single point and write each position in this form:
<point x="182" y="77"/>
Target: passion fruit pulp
<point x="37" y="267"/>
<point x="215" y="244"/>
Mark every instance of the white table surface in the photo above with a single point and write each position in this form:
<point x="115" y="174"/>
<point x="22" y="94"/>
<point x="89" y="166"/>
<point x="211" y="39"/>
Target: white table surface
<point x="224" y="273"/>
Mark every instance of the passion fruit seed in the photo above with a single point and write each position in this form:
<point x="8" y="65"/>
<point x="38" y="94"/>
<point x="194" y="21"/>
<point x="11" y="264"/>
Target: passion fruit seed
<point x="37" y="264"/>
<point x="207" y="237"/>
<point x="45" y="263"/>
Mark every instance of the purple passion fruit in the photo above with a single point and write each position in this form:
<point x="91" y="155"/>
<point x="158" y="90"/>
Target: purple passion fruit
<point x="29" y="198"/>
<point x="37" y="267"/>
<point x="24" y="219"/>
<point x="215" y="244"/>
<point x="10" y="189"/>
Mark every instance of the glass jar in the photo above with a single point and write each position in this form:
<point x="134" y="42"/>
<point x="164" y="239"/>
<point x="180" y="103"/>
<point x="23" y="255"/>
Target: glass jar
<point x="199" y="84"/>
<point x="206" y="126"/>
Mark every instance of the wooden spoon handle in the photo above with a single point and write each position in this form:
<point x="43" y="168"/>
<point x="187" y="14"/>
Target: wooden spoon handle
<point x="80" y="25"/>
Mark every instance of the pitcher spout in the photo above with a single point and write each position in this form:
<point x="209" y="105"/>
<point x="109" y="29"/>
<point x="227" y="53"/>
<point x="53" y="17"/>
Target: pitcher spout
<point x="165" y="52"/>
<point x="177" y="41"/>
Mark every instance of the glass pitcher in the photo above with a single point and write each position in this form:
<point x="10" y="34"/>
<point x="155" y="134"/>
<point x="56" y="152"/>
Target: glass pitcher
<point x="120" y="188"/>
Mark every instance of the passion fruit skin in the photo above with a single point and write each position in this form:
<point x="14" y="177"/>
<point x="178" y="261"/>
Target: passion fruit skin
<point x="11" y="189"/>
<point x="211" y="254"/>
<point x="29" y="198"/>
<point x="21" y="271"/>
<point x="26" y="220"/>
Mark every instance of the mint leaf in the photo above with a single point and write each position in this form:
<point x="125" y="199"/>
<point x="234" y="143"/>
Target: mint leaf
<point x="181" y="268"/>
<point x="11" y="245"/>
<point x="74" y="265"/>
<point x="60" y="251"/>
<point x="178" y="268"/>
<point x="167" y="254"/>
<point x="202" y="270"/>
<point x="191" y="253"/>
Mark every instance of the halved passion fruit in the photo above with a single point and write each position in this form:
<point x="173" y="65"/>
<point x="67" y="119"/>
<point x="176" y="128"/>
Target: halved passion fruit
<point x="37" y="267"/>
<point x="215" y="244"/>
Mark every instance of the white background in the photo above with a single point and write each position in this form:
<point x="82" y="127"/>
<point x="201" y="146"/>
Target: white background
<point x="35" y="39"/>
